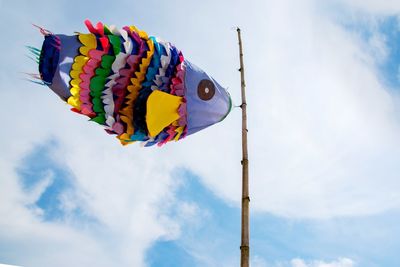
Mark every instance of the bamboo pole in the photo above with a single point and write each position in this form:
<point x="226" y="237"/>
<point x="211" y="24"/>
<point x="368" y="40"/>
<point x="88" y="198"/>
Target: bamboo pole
<point x="244" y="247"/>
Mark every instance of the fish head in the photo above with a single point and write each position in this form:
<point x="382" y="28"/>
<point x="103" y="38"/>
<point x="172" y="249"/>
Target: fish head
<point x="207" y="102"/>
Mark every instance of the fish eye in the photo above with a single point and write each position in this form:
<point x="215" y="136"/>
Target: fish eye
<point x="206" y="89"/>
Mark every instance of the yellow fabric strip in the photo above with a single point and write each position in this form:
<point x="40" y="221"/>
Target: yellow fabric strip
<point x="88" y="42"/>
<point x="179" y="132"/>
<point x="142" y="34"/>
<point x="135" y="86"/>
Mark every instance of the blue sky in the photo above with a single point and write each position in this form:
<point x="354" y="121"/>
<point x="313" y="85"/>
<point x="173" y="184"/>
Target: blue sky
<point x="323" y="83"/>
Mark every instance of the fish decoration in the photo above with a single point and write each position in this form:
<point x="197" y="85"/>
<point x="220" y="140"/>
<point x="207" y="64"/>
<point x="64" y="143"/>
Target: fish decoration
<point x="138" y="87"/>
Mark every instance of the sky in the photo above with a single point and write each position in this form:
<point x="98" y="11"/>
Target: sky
<point x="323" y="89"/>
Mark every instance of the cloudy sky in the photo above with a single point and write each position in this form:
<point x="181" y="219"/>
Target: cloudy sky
<point x="323" y="83"/>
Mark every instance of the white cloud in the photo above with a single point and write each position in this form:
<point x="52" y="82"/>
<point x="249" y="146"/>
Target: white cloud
<point x="342" y="262"/>
<point x="377" y="44"/>
<point x="387" y="7"/>
<point x="34" y="193"/>
<point x="325" y="124"/>
<point x="257" y="261"/>
<point x="322" y="128"/>
<point x="298" y="262"/>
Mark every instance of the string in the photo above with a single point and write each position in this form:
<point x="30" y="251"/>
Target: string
<point x="43" y="30"/>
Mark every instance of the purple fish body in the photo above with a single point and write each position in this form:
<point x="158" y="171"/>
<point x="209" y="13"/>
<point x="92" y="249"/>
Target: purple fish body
<point x="138" y="87"/>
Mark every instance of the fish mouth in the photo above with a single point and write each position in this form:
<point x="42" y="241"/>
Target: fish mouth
<point x="229" y="108"/>
<point x="49" y="56"/>
<point x="55" y="62"/>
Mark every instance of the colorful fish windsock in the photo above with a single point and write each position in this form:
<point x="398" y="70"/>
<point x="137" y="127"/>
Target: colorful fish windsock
<point x="138" y="87"/>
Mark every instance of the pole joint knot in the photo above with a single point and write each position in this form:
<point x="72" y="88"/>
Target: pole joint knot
<point x="246" y="198"/>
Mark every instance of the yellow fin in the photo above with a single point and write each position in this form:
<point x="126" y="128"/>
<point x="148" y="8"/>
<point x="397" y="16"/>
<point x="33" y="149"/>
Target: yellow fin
<point x="162" y="110"/>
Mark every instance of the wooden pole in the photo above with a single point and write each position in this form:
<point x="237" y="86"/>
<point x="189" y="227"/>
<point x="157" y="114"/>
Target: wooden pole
<point x="244" y="247"/>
